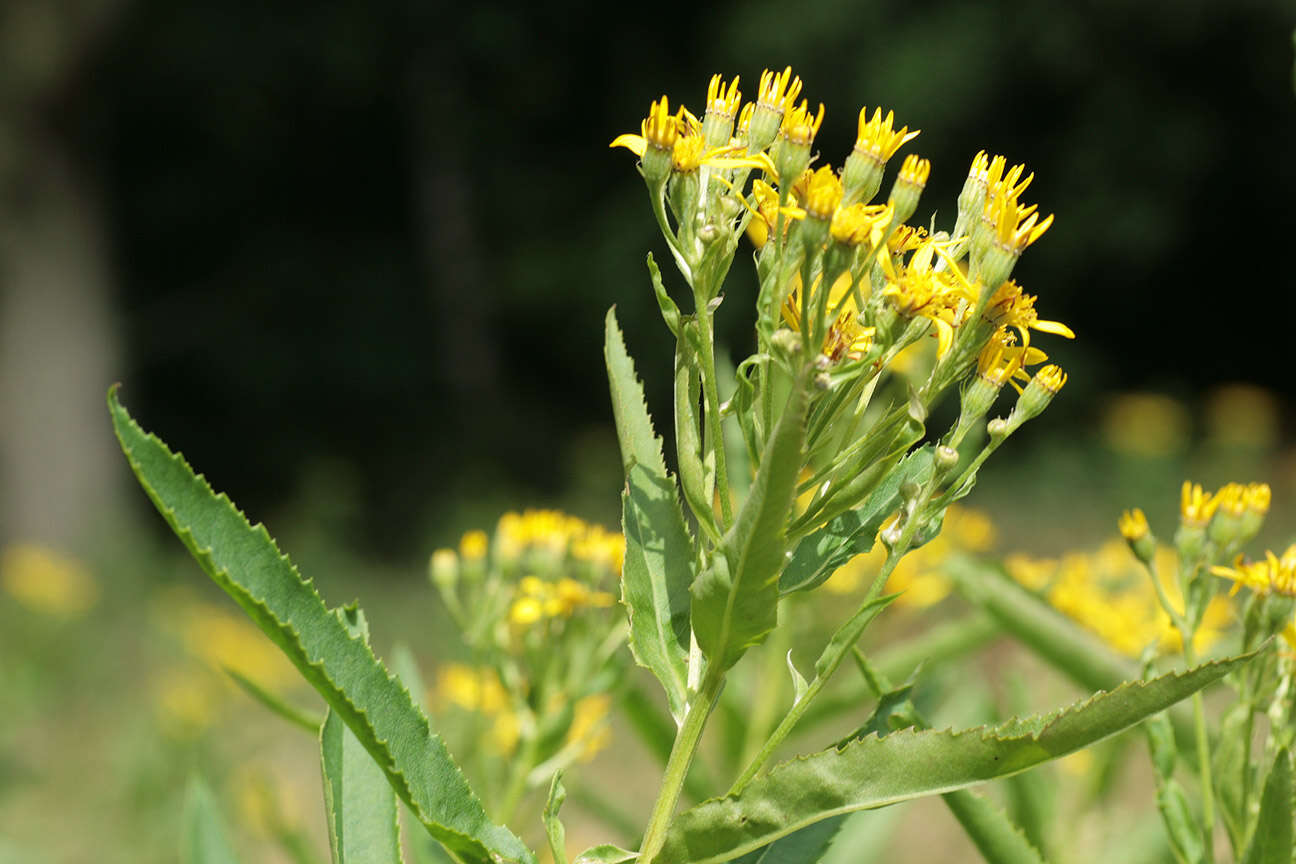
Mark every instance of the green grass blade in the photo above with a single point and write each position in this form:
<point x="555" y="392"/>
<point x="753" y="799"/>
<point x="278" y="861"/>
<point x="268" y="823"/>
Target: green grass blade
<point x="1271" y="843"/>
<point x="875" y="772"/>
<point x="659" y="551"/>
<point x="203" y="837"/>
<point x="363" y="821"/>
<point x="296" y="716"/>
<point x="245" y="562"/>
<point x="735" y="602"/>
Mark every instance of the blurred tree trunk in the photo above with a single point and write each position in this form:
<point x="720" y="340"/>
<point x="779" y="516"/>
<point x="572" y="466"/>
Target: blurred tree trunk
<point x="58" y="346"/>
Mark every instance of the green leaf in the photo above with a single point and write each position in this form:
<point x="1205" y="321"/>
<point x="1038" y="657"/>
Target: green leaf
<point x="659" y="551"/>
<point x="294" y="715"/>
<point x="735" y="601"/>
<point x="1064" y="644"/>
<point x="1271" y="843"/>
<point x="358" y="801"/>
<point x="876" y="772"/>
<point x="203" y="838"/>
<point x="606" y="854"/>
<point x="819" y="555"/>
<point x="554" y="829"/>
<point x="1181" y="826"/>
<point x="805" y="846"/>
<point x="245" y="562"/>
<point x="698" y="483"/>
<point x="996" y="837"/>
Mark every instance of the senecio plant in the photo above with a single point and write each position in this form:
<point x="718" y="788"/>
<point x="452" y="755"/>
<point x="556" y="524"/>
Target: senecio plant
<point x="805" y="454"/>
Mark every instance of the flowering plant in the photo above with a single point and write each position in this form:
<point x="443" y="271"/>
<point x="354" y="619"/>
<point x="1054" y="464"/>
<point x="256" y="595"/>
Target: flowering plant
<point x="812" y="450"/>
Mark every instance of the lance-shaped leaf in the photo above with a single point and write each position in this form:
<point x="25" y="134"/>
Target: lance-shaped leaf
<point x="659" y="552"/>
<point x="735" y="602"/>
<point x="360" y="805"/>
<point x="875" y="772"/>
<point x="1271" y="842"/>
<point x="203" y="836"/>
<point x="818" y="556"/>
<point x="247" y="565"/>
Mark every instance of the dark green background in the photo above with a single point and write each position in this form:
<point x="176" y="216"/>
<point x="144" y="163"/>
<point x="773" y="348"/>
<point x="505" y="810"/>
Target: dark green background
<point x="363" y="250"/>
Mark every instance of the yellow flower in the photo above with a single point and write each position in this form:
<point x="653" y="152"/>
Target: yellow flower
<point x="1145" y="424"/>
<point x="721" y="101"/>
<point x="1009" y="306"/>
<point x="906" y="238"/>
<point x="1196" y="507"/>
<point x="823" y="195"/>
<point x="800" y="126"/>
<point x="1133" y="525"/>
<point x="1051" y="378"/>
<point x="919" y="289"/>
<point x="846" y="337"/>
<point x="473" y="545"/>
<point x="589" y="730"/>
<point x="46" y="581"/>
<point x="914" y="171"/>
<point x="1014" y="227"/>
<point x="473" y="688"/>
<point x="877" y="137"/>
<point x="778" y="91"/>
<point x="861" y="223"/>
<point x="659" y="130"/>
<point x="1272" y="575"/>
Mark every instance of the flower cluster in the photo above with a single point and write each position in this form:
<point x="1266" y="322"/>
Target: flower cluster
<point x="532" y="601"/>
<point x="1106" y="593"/>
<point x="847" y="287"/>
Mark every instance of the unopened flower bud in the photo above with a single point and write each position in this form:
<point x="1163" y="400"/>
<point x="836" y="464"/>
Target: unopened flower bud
<point x="1038" y="393"/>
<point x="777" y="92"/>
<point x="946" y="458"/>
<point x="909" y="185"/>
<point x="998" y="429"/>
<point x="444" y="569"/>
<point x="1134" y="528"/>
<point x="822" y="381"/>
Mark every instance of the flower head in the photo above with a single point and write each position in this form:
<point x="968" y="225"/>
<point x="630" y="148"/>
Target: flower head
<point x="1133" y="525"/>
<point x="1009" y="306"/>
<point x="1196" y="507"/>
<point x="877" y="136"/>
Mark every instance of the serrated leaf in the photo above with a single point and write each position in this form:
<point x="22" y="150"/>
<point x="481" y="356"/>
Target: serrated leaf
<point x="300" y="718"/>
<point x="659" y="551"/>
<point x="1077" y="653"/>
<point x="996" y="837"/>
<point x="1271" y="842"/>
<point x="852" y="533"/>
<point x="735" y="602"/>
<point x="359" y="803"/>
<point x="875" y="772"/>
<point x="244" y="561"/>
<point x="203" y="839"/>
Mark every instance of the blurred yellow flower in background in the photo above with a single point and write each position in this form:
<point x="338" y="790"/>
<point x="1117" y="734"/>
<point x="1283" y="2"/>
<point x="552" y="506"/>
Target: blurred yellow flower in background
<point x="1145" y="424"/>
<point x="1242" y="415"/>
<point x="1109" y="593"/>
<point x="919" y="574"/>
<point x="46" y="581"/>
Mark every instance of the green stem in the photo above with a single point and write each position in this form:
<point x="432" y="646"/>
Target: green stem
<point x="1203" y="755"/>
<point x="677" y="767"/>
<point x="829" y="662"/>
<point x="517" y="781"/>
<point x="711" y="394"/>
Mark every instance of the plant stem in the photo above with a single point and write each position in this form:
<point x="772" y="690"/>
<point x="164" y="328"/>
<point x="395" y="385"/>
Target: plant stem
<point x="1203" y="756"/>
<point x="826" y="666"/>
<point x="681" y="757"/>
<point x="711" y="394"/>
